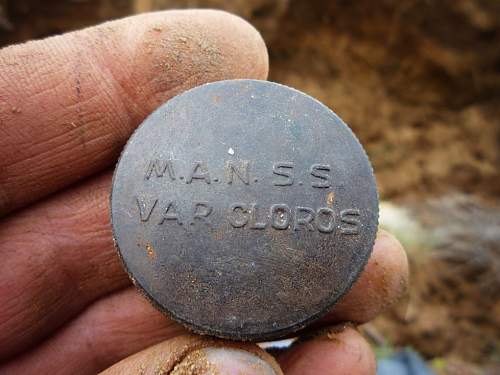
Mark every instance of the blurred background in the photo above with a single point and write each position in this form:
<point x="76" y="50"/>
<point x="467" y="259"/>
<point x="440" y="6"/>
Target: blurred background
<point x="419" y="83"/>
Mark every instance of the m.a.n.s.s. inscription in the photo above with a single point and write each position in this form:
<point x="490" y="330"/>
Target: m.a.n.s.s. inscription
<point x="282" y="173"/>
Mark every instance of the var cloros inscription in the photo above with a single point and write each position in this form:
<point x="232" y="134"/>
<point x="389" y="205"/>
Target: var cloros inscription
<point x="251" y="216"/>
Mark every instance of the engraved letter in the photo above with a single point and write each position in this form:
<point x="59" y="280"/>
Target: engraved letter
<point x="283" y="169"/>
<point x="170" y="213"/>
<point x="240" y="220"/>
<point x="241" y="172"/>
<point x="318" y="171"/>
<point x="201" y="211"/>
<point x="199" y="172"/>
<point x="305" y="220"/>
<point x="145" y="213"/>
<point x="350" y="217"/>
<point x="254" y="220"/>
<point x="280" y="216"/>
<point x="159" y="168"/>
<point x="328" y="225"/>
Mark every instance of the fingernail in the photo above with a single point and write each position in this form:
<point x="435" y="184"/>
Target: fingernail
<point x="326" y="332"/>
<point x="227" y="361"/>
<point x="333" y="332"/>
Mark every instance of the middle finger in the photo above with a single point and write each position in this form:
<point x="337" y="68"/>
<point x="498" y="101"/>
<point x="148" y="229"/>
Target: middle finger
<point x="57" y="257"/>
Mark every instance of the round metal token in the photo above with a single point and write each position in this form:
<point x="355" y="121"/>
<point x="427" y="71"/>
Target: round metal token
<point x="244" y="209"/>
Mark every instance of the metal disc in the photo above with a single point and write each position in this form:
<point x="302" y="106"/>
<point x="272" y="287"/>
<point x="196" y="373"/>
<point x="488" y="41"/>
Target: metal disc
<point x="244" y="209"/>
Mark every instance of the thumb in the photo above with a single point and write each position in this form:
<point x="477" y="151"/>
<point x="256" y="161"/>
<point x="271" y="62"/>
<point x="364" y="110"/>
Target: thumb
<point x="194" y="355"/>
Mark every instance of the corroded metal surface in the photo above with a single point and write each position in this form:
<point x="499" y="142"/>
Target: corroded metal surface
<point x="244" y="209"/>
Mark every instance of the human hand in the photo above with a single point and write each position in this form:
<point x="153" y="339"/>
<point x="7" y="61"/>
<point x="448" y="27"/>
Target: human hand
<point x="67" y="106"/>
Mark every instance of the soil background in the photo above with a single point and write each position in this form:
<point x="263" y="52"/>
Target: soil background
<point x="419" y="83"/>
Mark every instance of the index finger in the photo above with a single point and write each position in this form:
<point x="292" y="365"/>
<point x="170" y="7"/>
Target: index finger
<point x="69" y="103"/>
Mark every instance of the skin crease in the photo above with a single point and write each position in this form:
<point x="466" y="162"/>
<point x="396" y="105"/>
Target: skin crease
<point x="67" y="106"/>
<point x="120" y="72"/>
<point x="170" y="352"/>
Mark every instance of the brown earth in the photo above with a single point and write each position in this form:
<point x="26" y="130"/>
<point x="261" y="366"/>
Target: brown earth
<point x="419" y="83"/>
<point x="453" y="309"/>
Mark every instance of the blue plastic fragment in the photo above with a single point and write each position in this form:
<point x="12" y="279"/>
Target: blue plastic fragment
<point x="405" y="362"/>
